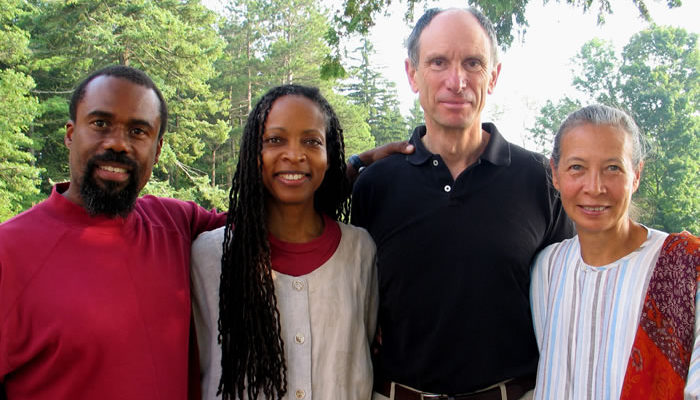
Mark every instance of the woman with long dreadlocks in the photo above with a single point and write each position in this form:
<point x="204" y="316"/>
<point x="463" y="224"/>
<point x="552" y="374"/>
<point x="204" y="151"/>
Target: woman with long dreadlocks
<point x="294" y="294"/>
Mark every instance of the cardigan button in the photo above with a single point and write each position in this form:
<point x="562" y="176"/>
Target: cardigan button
<point x="299" y="338"/>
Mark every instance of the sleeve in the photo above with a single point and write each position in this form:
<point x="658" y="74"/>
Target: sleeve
<point x="4" y="367"/>
<point x="372" y="301"/>
<point x="206" y="272"/>
<point x="692" y="387"/>
<point x="205" y="220"/>
<point x="539" y="288"/>
<point x="359" y="201"/>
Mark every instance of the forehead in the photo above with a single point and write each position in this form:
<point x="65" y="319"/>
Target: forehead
<point x="293" y="111"/>
<point x="121" y="98"/>
<point x="454" y="31"/>
<point x="596" y="140"/>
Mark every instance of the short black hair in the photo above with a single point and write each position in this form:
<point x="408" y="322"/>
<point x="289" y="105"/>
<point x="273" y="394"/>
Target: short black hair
<point x="132" y="75"/>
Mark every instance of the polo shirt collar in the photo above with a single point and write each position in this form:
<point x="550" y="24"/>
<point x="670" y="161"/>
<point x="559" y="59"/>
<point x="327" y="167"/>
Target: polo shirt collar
<point x="497" y="151"/>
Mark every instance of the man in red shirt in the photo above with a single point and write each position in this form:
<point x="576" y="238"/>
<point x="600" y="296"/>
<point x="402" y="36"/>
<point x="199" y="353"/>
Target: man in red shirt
<point x="94" y="281"/>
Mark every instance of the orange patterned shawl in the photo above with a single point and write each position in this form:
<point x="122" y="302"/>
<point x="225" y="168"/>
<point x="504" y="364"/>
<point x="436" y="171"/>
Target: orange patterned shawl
<point x="658" y="365"/>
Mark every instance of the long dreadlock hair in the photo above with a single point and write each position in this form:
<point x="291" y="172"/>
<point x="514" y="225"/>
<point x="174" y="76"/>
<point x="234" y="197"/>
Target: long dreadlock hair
<point x="249" y="323"/>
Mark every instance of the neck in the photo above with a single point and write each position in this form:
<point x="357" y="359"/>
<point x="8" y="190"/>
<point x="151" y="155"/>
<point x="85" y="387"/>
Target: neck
<point x="294" y="223"/>
<point x="459" y="148"/>
<point x="73" y="194"/>
<point x="603" y="248"/>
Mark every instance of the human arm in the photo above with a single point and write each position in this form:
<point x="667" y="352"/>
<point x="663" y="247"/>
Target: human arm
<point x="539" y="287"/>
<point x="204" y="220"/>
<point x="372" y="301"/>
<point x="692" y="386"/>
<point x="205" y="274"/>
<point x="370" y="156"/>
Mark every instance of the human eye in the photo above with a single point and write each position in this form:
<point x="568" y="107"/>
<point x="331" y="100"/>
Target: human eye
<point x="575" y="167"/>
<point x="473" y="65"/>
<point x="614" y="168"/>
<point x="437" y="63"/>
<point x="137" y="131"/>
<point x="272" y="140"/>
<point x="314" y="141"/>
<point x="98" y="123"/>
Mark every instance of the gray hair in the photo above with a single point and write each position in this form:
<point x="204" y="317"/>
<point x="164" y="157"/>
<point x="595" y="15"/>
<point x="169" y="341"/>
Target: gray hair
<point x="599" y="114"/>
<point x="413" y="41"/>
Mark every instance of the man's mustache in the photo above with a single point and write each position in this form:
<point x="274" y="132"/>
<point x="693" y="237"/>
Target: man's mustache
<point x="112" y="156"/>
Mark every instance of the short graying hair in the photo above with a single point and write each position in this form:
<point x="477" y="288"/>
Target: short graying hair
<point x="413" y="41"/>
<point x="599" y="114"/>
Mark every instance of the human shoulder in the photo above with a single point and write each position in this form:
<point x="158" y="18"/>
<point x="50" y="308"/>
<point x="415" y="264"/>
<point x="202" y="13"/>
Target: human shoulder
<point x="555" y="254"/>
<point x="356" y="234"/>
<point x="170" y="205"/>
<point x="32" y="225"/>
<point x="184" y="216"/>
<point x="530" y="158"/>
<point x="389" y="163"/>
<point x="25" y="219"/>
<point x="208" y="243"/>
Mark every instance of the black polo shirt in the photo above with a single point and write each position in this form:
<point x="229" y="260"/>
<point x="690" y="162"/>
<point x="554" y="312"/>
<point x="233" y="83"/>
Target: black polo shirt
<point x="454" y="262"/>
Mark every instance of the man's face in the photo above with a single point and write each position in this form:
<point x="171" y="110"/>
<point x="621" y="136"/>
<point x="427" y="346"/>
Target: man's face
<point x="113" y="145"/>
<point x="454" y="72"/>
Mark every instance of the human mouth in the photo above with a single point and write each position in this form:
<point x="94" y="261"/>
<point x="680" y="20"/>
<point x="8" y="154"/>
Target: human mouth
<point x="113" y="169"/>
<point x="114" y="173"/>
<point x="593" y="210"/>
<point x="291" y="176"/>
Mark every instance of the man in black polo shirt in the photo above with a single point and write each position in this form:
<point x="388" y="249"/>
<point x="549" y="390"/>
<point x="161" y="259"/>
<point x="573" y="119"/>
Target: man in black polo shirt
<point x="457" y="224"/>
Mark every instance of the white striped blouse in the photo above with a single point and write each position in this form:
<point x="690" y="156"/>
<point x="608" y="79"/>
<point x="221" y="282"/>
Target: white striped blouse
<point x="586" y="318"/>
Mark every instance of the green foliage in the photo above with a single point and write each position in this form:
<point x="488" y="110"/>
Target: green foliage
<point x="19" y="176"/>
<point x="658" y="82"/>
<point x="416" y="116"/>
<point x="508" y="16"/>
<point x="547" y="123"/>
<point x="211" y="69"/>
<point x="661" y="86"/>
<point x="353" y="120"/>
<point x="596" y="74"/>
<point x="367" y="88"/>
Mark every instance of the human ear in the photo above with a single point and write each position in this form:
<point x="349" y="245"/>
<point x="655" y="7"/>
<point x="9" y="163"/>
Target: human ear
<point x="555" y="177"/>
<point x="158" y="149"/>
<point x="68" y="138"/>
<point x="637" y="176"/>
<point x="495" y="72"/>
<point x="411" y="74"/>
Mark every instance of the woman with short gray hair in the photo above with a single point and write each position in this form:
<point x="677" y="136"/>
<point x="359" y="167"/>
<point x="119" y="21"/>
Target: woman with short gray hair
<point x="615" y="308"/>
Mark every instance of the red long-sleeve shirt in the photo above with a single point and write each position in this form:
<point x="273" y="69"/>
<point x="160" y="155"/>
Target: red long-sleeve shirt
<point x="96" y="307"/>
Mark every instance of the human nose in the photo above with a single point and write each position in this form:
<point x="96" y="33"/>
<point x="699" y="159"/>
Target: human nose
<point x="594" y="183"/>
<point x="117" y="139"/>
<point x="294" y="152"/>
<point x="456" y="79"/>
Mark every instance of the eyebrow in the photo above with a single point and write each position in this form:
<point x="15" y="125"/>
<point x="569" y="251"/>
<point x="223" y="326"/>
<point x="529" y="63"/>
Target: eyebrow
<point x="305" y="131"/>
<point x="133" y="121"/>
<point x="615" y="159"/>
